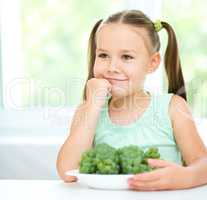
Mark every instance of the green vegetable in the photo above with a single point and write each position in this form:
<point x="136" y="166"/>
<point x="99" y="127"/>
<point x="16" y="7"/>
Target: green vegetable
<point x="130" y="159"/>
<point x="152" y="152"/>
<point x="104" y="159"/>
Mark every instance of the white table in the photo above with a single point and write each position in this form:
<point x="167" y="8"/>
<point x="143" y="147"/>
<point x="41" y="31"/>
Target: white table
<point x="58" y="190"/>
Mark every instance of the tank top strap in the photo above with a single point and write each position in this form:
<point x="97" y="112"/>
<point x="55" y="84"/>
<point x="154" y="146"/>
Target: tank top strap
<point x="161" y="103"/>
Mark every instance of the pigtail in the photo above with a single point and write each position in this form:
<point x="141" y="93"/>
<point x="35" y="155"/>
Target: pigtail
<point x="91" y="54"/>
<point x="173" y="65"/>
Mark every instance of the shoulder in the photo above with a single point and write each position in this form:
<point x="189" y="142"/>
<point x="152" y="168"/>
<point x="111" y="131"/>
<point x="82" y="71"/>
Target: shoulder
<point x="178" y="103"/>
<point x="179" y="109"/>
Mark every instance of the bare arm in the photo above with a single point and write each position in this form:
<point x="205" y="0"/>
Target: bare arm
<point x="80" y="139"/>
<point x="192" y="147"/>
<point x="83" y="127"/>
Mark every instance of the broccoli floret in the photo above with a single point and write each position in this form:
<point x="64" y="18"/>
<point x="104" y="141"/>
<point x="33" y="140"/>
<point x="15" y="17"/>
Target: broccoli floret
<point x="87" y="164"/>
<point x="104" y="159"/>
<point x="152" y="152"/>
<point x="107" y="166"/>
<point x="130" y="159"/>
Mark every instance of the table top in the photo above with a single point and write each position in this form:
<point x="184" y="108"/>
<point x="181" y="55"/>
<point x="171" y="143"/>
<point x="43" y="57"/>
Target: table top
<point x="58" y="190"/>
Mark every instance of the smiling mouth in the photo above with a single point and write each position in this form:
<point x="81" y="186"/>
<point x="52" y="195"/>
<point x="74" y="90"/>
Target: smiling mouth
<point x="112" y="79"/>
<point x="115" y="79"/>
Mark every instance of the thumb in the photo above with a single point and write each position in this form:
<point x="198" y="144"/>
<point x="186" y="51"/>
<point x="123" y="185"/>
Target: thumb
<point x="159" y="163"/>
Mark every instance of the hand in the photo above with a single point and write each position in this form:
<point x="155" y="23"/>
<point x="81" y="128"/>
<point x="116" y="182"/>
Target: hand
<point x="98" y="90"/>
<point x="169" y="176"/>
<point x="69" y="179"/>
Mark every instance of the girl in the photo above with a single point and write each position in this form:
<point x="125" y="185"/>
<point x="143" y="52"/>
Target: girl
<point x="117" y="110"/>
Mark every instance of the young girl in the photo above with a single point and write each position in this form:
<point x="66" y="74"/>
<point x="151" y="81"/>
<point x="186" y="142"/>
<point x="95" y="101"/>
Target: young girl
<point x="123" y="50"/>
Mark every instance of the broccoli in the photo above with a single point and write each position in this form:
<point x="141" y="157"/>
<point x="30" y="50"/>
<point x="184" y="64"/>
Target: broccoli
<point x="87" y="164"/>
<point x="130" y="159"/>
<point x="105" y="159"/>
<point x="102" y="160"/>
<point x="152" y="152"/>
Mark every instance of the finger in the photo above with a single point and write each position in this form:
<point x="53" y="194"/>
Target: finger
<point x="147" y="186"/>
<point x="160" y="163"/>
<point x="148" y="176"/>
<point x="69" y="179"/>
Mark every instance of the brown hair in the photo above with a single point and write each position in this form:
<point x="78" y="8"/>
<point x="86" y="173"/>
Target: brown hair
<point x="136" y="18"/>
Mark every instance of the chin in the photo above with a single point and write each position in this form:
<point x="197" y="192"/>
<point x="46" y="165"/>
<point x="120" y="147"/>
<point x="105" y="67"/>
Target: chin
<point x="119" y="92"/>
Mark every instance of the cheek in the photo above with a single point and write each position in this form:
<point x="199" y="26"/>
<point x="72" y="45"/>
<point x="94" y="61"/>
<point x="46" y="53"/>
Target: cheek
<point x="97" y="70"/>
<point x="137" y="76"/>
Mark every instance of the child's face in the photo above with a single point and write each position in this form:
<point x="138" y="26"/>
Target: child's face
<point x="123" y="53"/>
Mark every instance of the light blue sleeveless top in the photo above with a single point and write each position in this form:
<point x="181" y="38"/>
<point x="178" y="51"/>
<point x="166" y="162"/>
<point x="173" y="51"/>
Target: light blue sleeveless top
<point x="153" y="128"/>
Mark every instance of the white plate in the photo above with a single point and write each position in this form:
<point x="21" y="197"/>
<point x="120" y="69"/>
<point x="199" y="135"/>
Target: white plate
<point x="102" y="181"/>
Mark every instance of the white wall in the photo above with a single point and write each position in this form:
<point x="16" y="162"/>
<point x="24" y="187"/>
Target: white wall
<point x="28" y="161"/>
<point x="29" y="144"/>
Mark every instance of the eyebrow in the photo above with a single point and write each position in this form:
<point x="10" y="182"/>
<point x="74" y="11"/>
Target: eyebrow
<point x="122" y="50"/>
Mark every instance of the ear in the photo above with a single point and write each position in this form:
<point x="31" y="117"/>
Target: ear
<point x="154" y="62"/>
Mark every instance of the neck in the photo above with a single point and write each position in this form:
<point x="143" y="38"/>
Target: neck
<point x="129" y="102"/>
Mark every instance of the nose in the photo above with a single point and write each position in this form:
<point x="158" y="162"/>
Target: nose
<point x="113" y="66"/>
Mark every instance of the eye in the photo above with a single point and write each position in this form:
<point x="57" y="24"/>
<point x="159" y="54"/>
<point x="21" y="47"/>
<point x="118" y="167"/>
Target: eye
<point x="102" y="55"/>
<point x="127" y="57"/>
